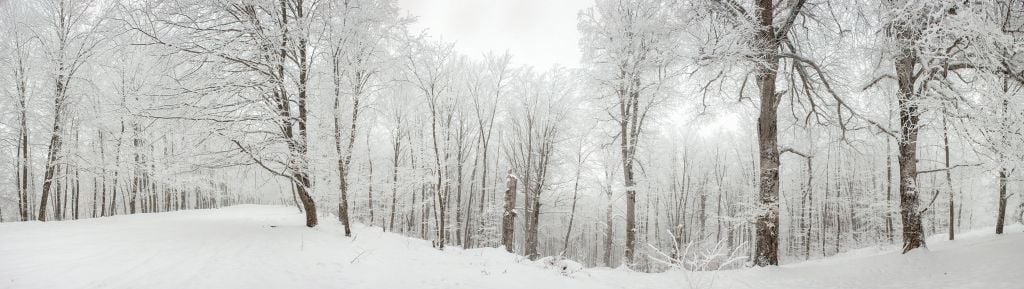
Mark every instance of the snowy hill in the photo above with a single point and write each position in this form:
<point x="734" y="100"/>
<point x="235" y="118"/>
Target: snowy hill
<point x="268" y="247"/>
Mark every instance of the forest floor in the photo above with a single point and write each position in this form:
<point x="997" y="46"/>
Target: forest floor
<point x="268" y="247"/>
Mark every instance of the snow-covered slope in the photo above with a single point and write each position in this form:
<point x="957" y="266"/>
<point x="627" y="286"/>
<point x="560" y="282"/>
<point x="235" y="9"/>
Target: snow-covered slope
<point x="267" y="247"/>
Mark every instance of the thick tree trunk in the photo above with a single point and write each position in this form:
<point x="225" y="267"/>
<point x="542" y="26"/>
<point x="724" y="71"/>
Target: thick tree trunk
<point x="627" y="173"/>
<point x="767" y="243"/>
<point x="533" y="223"/>
<point x="913" y="233"/>
<point x="297" y="144"/>
<point x="508" y="221"/>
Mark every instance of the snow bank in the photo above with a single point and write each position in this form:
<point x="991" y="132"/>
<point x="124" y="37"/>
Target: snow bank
<point x="268" y="247"/>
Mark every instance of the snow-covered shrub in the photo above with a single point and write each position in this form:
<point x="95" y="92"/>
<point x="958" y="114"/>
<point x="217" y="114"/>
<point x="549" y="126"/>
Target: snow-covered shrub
<point x="692" y="257"/>
<point x="561" y="264"/>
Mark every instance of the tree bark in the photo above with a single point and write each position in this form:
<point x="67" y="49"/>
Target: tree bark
<point x="397" y="146"/>
<point x="509" y="216"/>
<point x="572" y="211"/>
<point x="1001" y="213"/>
<point x="54" y="151"/>
<point x="21" y="170"/>
<point x="949" y="177"/>
<point x="888" y="191"/>
<point x="767" y="243"/>
<point x="913" y="234"/>
<point x="609" y="229"/>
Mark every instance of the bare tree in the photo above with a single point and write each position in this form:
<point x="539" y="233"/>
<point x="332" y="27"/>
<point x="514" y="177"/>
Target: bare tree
<point x="73" y="42"/>
<point x="633" y="61"/>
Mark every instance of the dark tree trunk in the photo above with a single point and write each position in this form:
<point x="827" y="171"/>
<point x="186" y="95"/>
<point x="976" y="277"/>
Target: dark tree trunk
<point x="767" y="243"/>
<point x="1001" y="215"/>
<point x="913" y="234"/>
<point x="949" y="177"/>
<point x="52" y="154"/>
<point x="21" y="169"/>
<point x="1003" y="172"/>
<point x="888" y="192"/>
<point x="103" y="176"/>
<point x="63" y="28"/>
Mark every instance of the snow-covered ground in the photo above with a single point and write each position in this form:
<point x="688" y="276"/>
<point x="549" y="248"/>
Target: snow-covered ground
<point x="268" y="247"/>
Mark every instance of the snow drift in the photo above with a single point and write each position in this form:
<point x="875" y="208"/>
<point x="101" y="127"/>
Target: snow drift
<point x="268" y="247"/>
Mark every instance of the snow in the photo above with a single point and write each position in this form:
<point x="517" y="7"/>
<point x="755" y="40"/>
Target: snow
<point x="565" y="266"/>
<point x="268" y="247"/>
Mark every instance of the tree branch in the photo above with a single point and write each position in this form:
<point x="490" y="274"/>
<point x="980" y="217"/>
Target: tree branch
<point x="794" y="151"/>
<point x="258" y="161"/>
<point x="788" y="23"/>
<point x="947" y="169"/>
<point x="821" y="76"/>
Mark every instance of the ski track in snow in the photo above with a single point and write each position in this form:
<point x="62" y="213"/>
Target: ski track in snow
<point x="236" y="247"/>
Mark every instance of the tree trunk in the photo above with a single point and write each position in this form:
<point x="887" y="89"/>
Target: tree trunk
<point x="21" y="171"/>
<point x="369" y="180"/>
<point x="888" y="191"/>
<point x="913" y="234"/>
<point x="805" y="222"/>
<point x="52" y="156"/>
<point x="394" y="177"/>
<point x="75" y="195"/>
<point x="344" y="155"/>
<point x="63" y="28"/>
<point x="767" y="243"/>
<point x="949" y="177"/>
<point x="458" y="188"/>
<point x="1003" y="171"/>
<point x="609" y="230"/>
<point x="628" y="146"/>
<point x="572" y="211"/>
<point x="509" y="216"/>
<point x="1001" y="214"/>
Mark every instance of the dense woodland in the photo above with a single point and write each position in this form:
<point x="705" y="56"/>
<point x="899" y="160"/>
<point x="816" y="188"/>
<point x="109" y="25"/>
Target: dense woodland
<point x="693" y="134"/>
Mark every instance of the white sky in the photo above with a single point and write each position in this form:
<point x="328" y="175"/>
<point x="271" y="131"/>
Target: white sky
<point x="540" y="33"/>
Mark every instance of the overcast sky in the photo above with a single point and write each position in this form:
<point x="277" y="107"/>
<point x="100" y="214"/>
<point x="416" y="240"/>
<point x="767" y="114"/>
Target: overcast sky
<point x="537" y="32"/>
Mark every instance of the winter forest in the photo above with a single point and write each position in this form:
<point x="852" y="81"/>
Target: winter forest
<point x="684" y="136"/>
